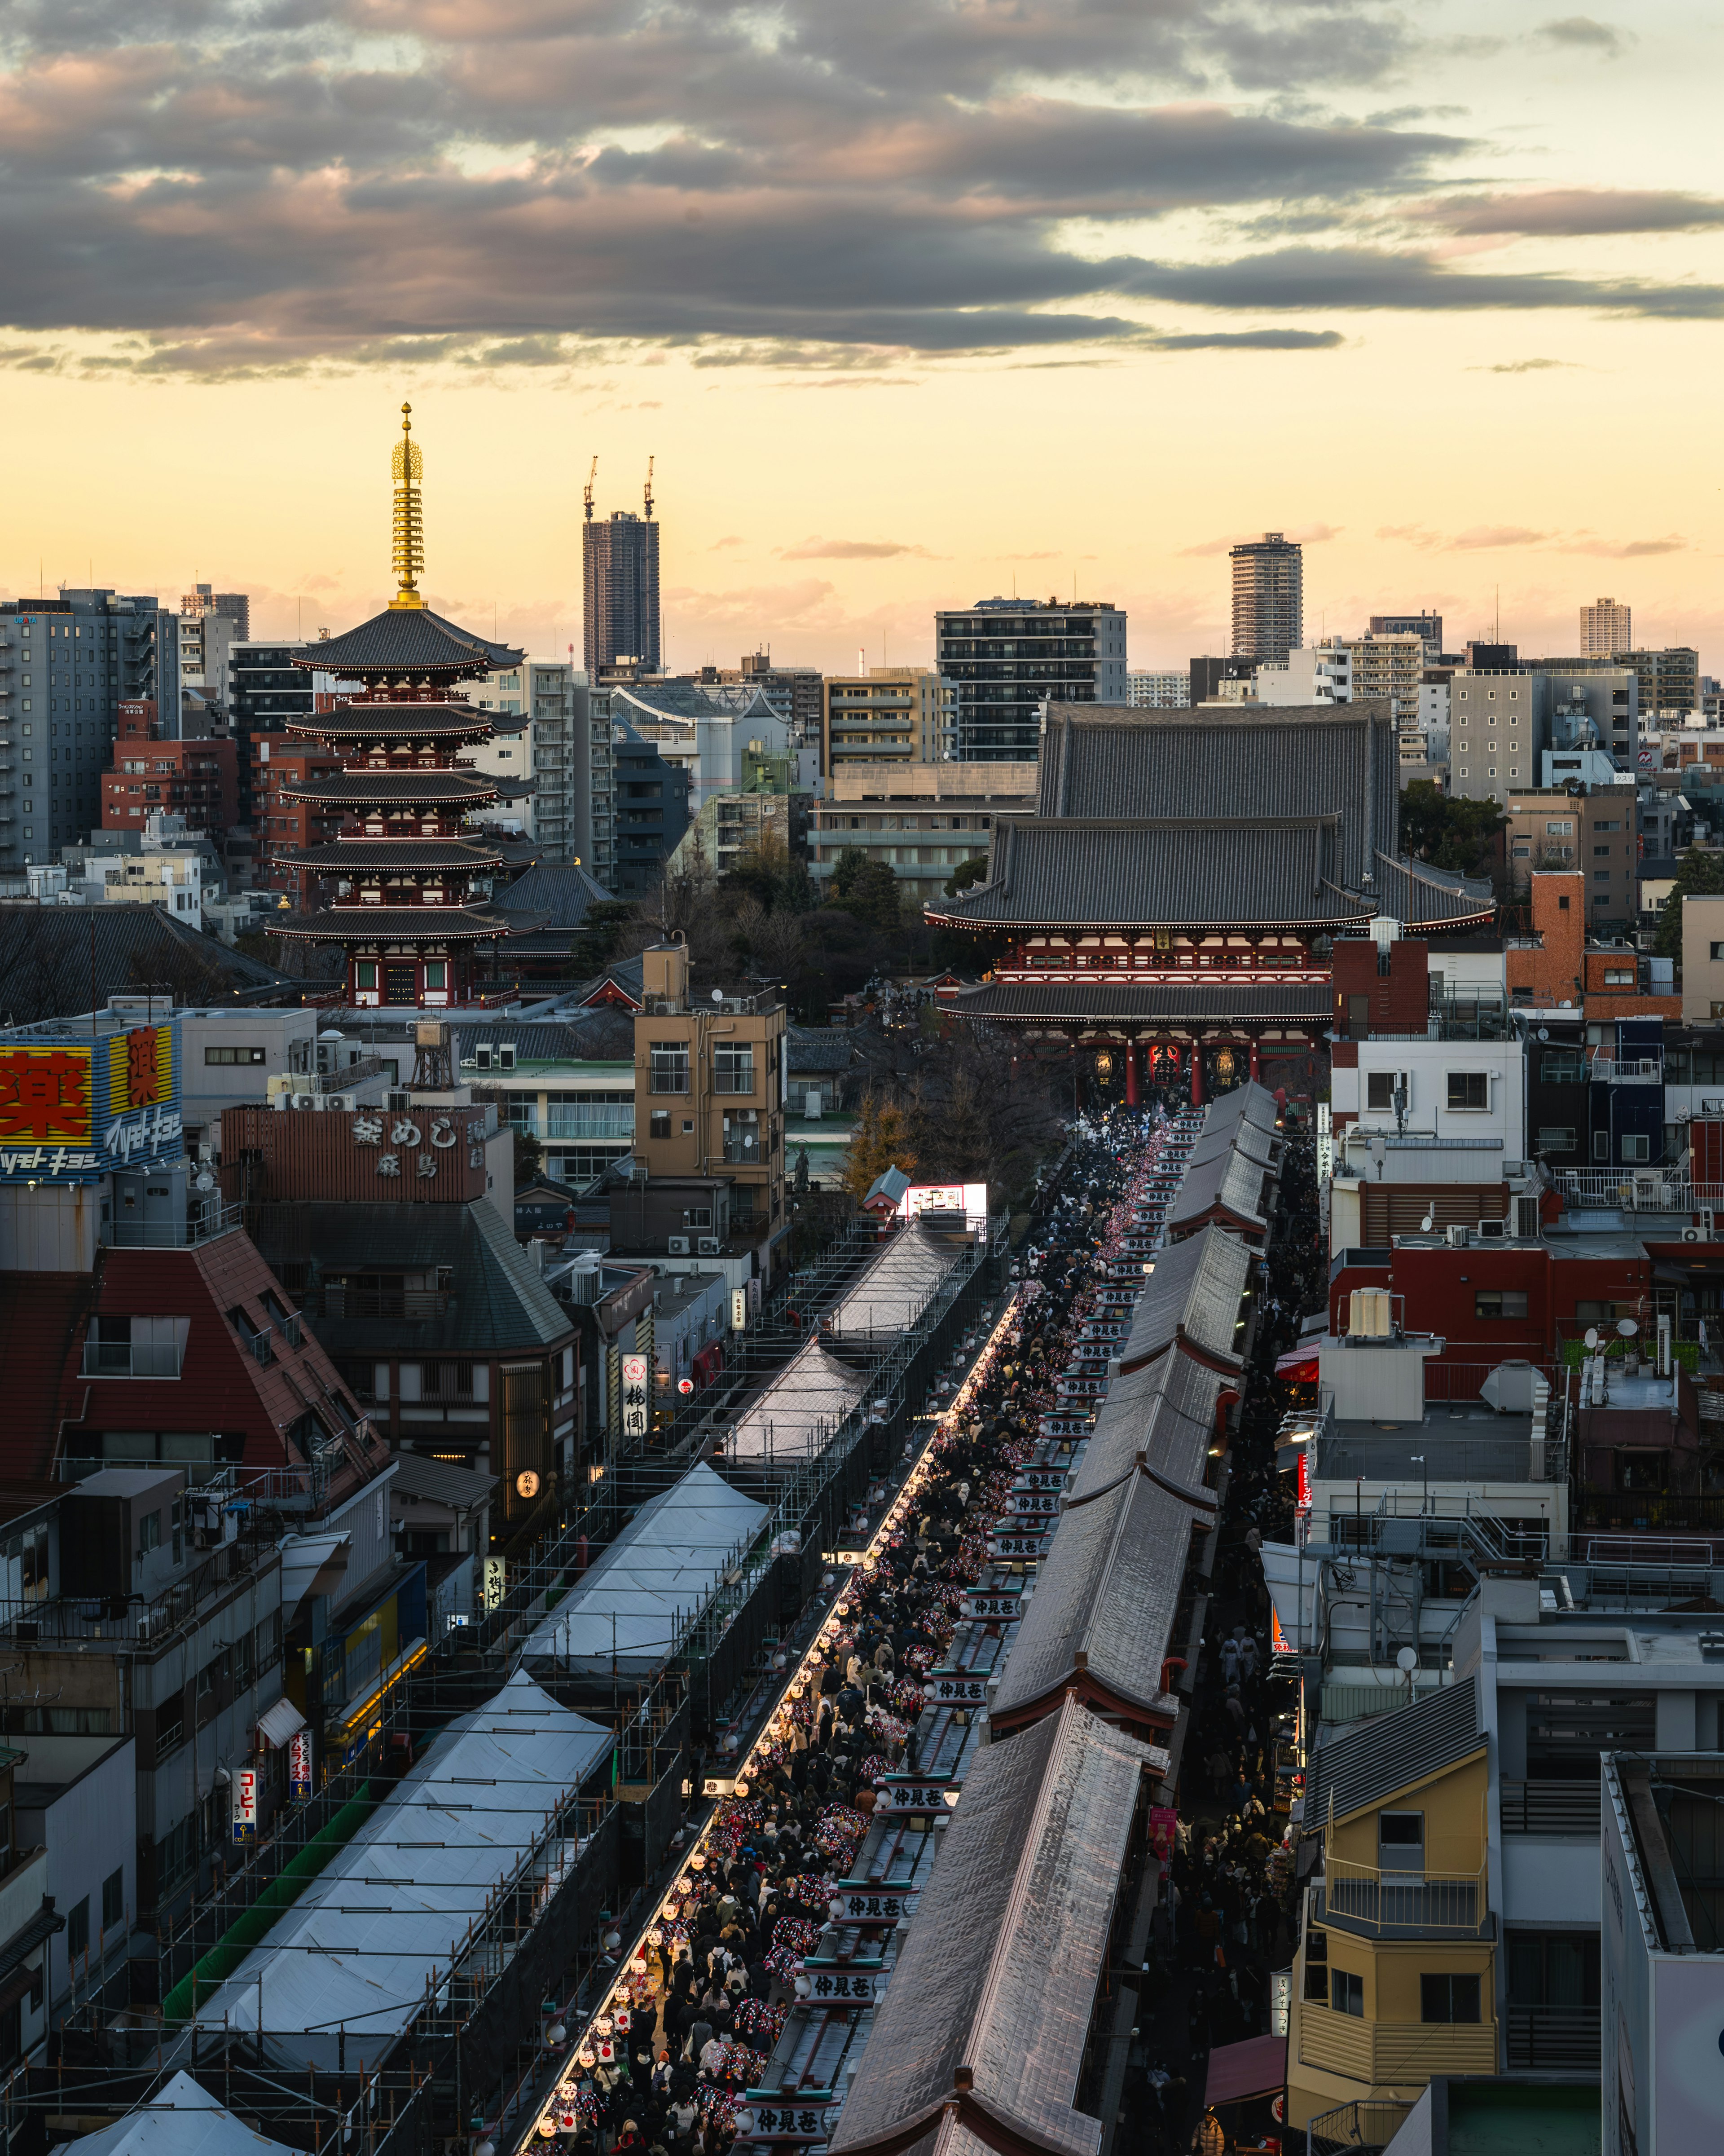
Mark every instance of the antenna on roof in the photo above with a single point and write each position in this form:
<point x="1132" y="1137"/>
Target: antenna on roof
<point x="587" y="495"/>
<point x="650" y="462"/>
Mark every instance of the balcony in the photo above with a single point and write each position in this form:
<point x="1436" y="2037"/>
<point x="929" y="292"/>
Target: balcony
<point x="1393" y="2054"/>
<point x="1551" y="1807"/>
<point x="1380" y="1904"/>
<point x="1553" y="2039"/>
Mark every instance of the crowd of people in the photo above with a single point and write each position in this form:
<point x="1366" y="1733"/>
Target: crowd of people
<point x="694" y="2015"/>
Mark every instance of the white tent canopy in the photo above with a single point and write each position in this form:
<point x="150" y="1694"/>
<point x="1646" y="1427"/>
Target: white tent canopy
<point x="897" y="1287"/>
<point x="796" y="1414"/>
<point x="390" y="1909"/>
<point x="181" y="2119"/>
<point x="664" y="1567"/>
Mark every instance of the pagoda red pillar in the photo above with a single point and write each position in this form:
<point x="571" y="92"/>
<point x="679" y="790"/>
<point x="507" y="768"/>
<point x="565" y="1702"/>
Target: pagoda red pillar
<point x="1255" y="1071"/>
<point x="1197" y="1073"/>
<point x="1131" y="1073"/>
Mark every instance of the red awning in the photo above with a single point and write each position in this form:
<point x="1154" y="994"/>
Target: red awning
<point x="1256" y="2067"/>
<point x="1297" y="1367"/>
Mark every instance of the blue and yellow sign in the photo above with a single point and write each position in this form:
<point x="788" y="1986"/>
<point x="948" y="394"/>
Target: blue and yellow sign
<point x="72" y="1110"/>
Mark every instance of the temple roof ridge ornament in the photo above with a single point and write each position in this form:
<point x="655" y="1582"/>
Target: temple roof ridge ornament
<point x="408" y="554"/>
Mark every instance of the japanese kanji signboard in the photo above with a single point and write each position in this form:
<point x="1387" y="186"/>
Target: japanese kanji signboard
<point x="70" y="1110"/>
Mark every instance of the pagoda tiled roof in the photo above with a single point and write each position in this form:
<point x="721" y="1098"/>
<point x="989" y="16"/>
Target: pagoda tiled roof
<point x="557" y="893"/>
<point x="390" y="924"/>
<point x="1177" y="1005"/>
<point x="405" y="788"/>
<point x="405" y="853"/>
<point x="409" y="640"/>
<point x="409" y="722"/>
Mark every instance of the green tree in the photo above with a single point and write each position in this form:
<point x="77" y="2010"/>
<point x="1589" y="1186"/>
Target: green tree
<point x="529" y="1155"/>
<point x="965" y="875"/>
<point x="872" y="895"/>
<point x="592" y="949"/>
<point x="1450" y="833"/>
<point x="881" y="1140"/>
<point x="1700" y="870"/>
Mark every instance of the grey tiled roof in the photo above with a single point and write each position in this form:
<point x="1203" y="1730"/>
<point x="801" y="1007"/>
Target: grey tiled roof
<point x="999" y="1974"/>
<point x="557" y="893"/>
<point x="1231" y="1179"/>
<point x="1391" y="1752"/>
<point x="1164" y="1411"/>
<point x="1105" y="1603"/>
<point x="1120" y="874"/>
<point x="408" y="924"/>
<point x="1176" y="1005"/>
<point x="603" y="1036"/>
<point x="52" y="958"/>
<point x="1264" y="760"/>
<point x="408" y="640"/>
<point x="817" y="1048"/>
<point x="403" y="788"/>
<point x="399" y="853"/>
<point x="1195" y="1290"/>
<point x="393" y="721"/>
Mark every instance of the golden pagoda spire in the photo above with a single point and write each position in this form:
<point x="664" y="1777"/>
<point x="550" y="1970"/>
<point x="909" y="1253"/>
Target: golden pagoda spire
<point x="408" y="560"/>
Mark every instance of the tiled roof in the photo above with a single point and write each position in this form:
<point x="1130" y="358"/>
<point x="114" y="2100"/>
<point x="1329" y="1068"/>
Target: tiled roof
<point x="1161" y="1419"/>
<point x="408" y="640"/>
<point x="1252" y="761"/>
<point x="403" y="721"/>
<point x="1178" y="1005"/>
<point x="418" y="1476"/>
<point x="391" y="924"/>
<point x="405" y="788"/>
<point x="558" y="893"/>
<point x="1195" y="1291"/>
<point x="817" y="1048"/>
<point x="52" y="958"/>
<point x="591" y="1037"/>
<point x="1382" y="1757"/>
<point x="1419" y="895"/>
<point x="405" y="853"/>
<point x="989" y="2007"/>
<point x="1122" y="873"/>
<point x="1231" y="1180"/>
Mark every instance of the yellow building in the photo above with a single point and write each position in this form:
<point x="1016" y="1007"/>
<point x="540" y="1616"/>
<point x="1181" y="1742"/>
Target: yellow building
<point x="1394" y="1979"/>
<point x="889" y="714"/>
<point x="709" y="1094"/>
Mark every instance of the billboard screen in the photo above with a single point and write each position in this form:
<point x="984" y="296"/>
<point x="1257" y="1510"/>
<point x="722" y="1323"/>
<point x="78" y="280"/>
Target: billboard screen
<point x="969" y="1198"/>
<point x="72" y="1110"/>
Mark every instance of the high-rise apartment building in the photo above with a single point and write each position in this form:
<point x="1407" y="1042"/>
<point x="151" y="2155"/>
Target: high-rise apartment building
<point x="231" y="606"/>
<point x="1268" y="599"/>
<point x="889" y="714"/>
<point x="620" y="580"/>
<point x="1426" y="627"/>
<point x="1605" y="629"/>
<point x="65" y="665"/>
<point x="549" y="755"/>
<point x="1158" y="692"/>
<point x="1006" y="658"/>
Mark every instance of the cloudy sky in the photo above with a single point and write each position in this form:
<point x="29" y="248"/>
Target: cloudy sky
<point x="910" y="298"/>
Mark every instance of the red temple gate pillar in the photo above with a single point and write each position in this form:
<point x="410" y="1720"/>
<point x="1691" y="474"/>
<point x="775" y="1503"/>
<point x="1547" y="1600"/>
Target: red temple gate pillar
<point x="1197" y="1073"/>
<point x="1131" y="1073"/>
<point x="1254" y="1071"/>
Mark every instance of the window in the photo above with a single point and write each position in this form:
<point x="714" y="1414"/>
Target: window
<point x="114" y="1899"/>
<point x="658" y="1124"/>
<point x="1380" y="1087"/>
<point x="1469" y="1089"/>
<point x="1637" y="1148"/>
<point x="1553" y="1968"/>
<point x="1449" y="1997"/>
<point x="1559" y="831"/>
<point x="1402" y="1831"/>
<point x="741" y="1135"/>
<point x="1563" y="905"/>
<point x="1500" y="1302"/>
<point x="1718" y="950"/>
<point x="1316" y="1965"/>
<point x="732" y="1068"/>
<point x="1601" y="1145"/>
<point x="219" y="1055"/>
<point x="1563" y="1066"/>
<point x="1601" y="853"/>
<point x="78" y="1931"/>
<point x="669" y="1066"/>
<point x="1621" y="977"/>
<point x="1638" y="1471"/>
<point x="1601" y="876"/>
<point x="1556" y="1137"/>
<point x="1347" y="1992"/>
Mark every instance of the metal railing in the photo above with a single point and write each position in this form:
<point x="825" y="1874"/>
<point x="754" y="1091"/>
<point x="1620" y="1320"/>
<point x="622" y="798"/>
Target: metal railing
<point x="1557" y="2038"/>
<point x="1632" y="1189"/>
<point x="1361" y="2124"/>
<point x="1551" y="1807"/>
<point x="1378" y="1901"/>
<point x="202" y="1224"/>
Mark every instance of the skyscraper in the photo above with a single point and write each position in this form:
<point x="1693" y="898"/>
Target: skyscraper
<point x="1427" y="627"/>
<point x="1268" y="599"/>
<point x="1008" y="657"/>
<point x="620" y="565"/>
<point x="1605" y="629"/>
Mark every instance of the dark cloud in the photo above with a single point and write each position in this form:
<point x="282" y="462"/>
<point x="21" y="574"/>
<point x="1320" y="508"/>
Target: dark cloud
<point x="1571" y="212"/>
<point x="1249" y="341"/>
<point x="1584" y="31"/>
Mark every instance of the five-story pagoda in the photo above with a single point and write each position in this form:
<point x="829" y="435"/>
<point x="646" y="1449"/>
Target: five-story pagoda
<point x="405" y="867"/>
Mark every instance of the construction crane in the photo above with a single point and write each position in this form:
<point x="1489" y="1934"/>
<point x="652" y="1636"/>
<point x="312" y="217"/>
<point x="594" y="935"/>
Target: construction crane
<point x="650" y="462"/>
<point x="587" y="497"/>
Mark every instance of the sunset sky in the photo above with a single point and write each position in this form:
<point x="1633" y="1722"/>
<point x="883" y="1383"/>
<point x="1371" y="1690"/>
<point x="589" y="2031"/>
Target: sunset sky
<point x="908" y="298"/>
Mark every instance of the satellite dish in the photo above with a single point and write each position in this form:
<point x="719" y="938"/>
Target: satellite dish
<point x="206" y="1181"/>
<point x="1627" y="1327"/>
<point x="1592" y="1336"/>
<point x="1426" y="1225"/>
<point x="1544" y="1033"/>
<point x="1406" y="1662"/>
<point x="718" y="995"/>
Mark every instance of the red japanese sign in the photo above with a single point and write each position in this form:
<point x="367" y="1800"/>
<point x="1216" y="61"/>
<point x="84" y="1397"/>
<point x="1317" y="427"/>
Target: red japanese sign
<point x="44" y="1095"/>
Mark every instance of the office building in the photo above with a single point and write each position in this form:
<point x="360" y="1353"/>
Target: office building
<point x="201" y="601"/>
<point x="1428" y="627"/>
<point x="1007" y="658"/>
<point x="619" y="578"/>
<point x="1158" y="692"/>
<point x="651" y="811"/>
<point x="887" y="714"/>
<point x="1268" y="598"/>
<point x="923" y="820"/>
<point x="1315" y="674"/>
<point x="1605" y="628"/>
<point x="794" y="693"/>
<point x="198" y="781"/>
<point x="1504" y="723"/>
<point x="1390" y="666"/>
<point x="549" y="754"/>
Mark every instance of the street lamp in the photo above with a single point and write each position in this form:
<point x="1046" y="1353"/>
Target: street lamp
<point x="1418" y="1461"/>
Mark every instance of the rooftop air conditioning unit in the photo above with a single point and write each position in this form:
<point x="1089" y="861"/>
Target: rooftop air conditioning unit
<point x="481" y="1059"/>
<point x="304" y="1100"/>
<point x="1693" y="1234"/>
<point x="678" y="1245"/>
<point x="1492" y="1231"/>
<point x="1648" y="1190"/>
<point x="1459" y="1236"/>
<point x="707" y="1246"/>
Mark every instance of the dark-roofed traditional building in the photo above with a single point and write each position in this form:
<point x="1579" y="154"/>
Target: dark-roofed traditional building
<point x="545" y="910"/>
<point x="405" y="913"/>
<point x="1182" y="877"/>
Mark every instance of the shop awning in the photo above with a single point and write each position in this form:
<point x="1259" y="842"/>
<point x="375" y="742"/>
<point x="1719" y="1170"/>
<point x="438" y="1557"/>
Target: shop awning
<point x="277" y="1724"/>
<point x="1297" y="1367"/>
<point x="1256" y="2067"/>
